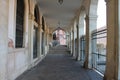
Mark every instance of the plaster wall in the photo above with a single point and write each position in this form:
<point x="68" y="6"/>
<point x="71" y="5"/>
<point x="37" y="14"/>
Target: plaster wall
<point x="4" y="4"/>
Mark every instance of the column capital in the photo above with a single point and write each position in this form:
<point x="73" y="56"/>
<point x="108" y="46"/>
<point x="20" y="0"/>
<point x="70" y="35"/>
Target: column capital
<point x="31" y="17"/>
<point x="91" y="17"/>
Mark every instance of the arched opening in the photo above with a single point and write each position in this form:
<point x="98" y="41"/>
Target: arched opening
<point x="59" y="37"/>
<point x="99" y="39"/>
<point x="91" y="24"/>
<point x="19" y="24"/>
<point x="35" y="32"/>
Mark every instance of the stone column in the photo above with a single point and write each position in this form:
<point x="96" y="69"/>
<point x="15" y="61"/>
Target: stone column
<point x="113" y="41"/>
<point x="67" y="40"/>
<point x="87" y="43"/>
<point x="40" y="41"/>
<point x="30" y="39"/>
<point x="47" y="40"/>
<point x="71" y="41"/>
<point x="78" y="43"/>
<point x="73" y="44"/>
<point x="90" y="26"/>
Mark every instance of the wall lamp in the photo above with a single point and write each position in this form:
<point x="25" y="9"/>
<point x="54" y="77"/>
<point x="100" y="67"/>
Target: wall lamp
<point x="60" y="1"/>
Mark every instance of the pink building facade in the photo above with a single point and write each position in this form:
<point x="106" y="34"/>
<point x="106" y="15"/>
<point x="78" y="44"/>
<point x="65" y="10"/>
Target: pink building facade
<point x="61" y="36"/>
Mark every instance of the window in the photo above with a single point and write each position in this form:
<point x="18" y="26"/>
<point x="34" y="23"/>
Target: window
<point x="19" y="24"/>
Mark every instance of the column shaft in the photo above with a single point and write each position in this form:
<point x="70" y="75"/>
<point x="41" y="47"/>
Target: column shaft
<point x="78" y="43"/>
<point x="112" y="62"/>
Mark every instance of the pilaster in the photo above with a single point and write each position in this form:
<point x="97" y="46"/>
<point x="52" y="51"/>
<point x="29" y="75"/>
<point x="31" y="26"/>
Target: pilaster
<point x="73" y="43"/>
<point x="30" y="39"/>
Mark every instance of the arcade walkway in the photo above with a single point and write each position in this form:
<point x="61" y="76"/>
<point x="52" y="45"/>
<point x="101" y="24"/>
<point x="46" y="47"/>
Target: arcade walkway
<point x="59" y="65"/>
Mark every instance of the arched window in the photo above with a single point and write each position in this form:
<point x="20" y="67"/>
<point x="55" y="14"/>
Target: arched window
<point x="19" y="24"/>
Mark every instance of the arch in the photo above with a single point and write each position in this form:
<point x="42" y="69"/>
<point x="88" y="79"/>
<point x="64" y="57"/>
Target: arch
<point x="90" y="21"/>
<point x="59" y="28"/>
<point x="99" y="44"/>
<point x="59" y="36"/>
<point x="82" y="31"/>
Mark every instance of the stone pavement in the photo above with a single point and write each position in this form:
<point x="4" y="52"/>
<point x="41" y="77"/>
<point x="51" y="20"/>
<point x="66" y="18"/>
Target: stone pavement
<point x="59" y="65"/>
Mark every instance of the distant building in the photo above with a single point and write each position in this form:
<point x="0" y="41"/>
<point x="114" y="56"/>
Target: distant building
<point x="61" y="36"/>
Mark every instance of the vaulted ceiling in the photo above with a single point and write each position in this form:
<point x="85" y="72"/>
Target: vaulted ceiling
<point x="57" y="15"/>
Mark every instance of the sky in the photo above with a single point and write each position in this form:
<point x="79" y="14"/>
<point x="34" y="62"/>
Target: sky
<point x="101" y="12"/>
